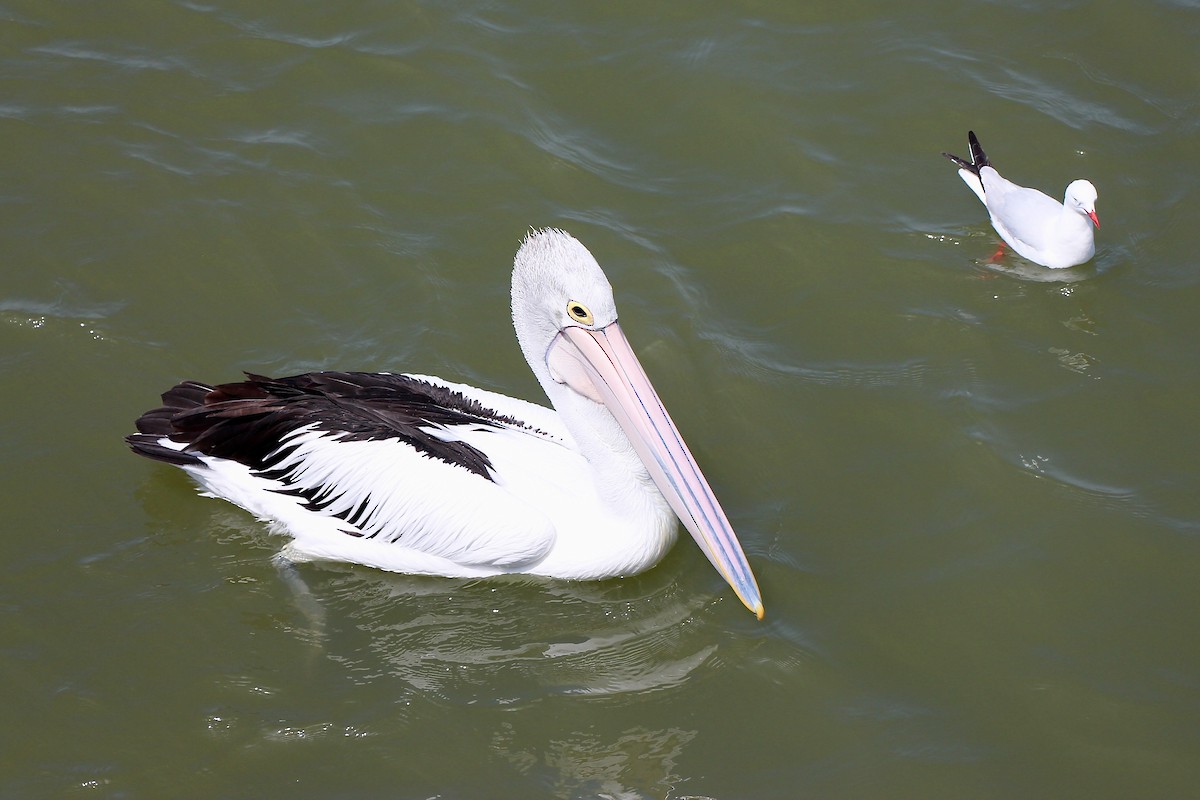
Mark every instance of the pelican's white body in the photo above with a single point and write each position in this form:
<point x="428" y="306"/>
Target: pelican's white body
<point x="543" y="515"/>
<point x="373" y="470"/>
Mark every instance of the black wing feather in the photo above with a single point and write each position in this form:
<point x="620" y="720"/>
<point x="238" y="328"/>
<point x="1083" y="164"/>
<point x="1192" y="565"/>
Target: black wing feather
<point x="247" y="421"/>
<point x="979" y="159"/>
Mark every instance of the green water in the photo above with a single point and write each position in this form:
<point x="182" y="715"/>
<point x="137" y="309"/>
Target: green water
<point x="968" y="490"/>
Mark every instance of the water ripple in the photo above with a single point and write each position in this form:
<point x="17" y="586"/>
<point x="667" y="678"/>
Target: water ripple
<point x="475" y="642"/>
<point x="134" y="61"/>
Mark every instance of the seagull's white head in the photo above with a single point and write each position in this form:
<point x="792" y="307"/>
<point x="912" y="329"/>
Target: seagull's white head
<point x="1081" y="197"/>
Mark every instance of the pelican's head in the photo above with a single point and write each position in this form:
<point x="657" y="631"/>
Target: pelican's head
<point x="550" y="268"/>
<point x="566" y="322"/>
<point x="1081" y="196"/>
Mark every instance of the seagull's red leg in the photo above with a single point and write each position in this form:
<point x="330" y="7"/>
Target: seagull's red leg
<point x="999" y="254"/>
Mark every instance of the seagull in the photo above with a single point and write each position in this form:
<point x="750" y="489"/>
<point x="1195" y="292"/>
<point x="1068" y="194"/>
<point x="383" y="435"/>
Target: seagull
<point x="419" y="475"/>
<point x="1038" y="227"/>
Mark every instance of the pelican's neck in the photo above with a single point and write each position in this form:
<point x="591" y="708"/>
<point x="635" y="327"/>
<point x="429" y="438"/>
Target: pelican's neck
<point x="552" y="268"/>
<point x="619" y="476"/>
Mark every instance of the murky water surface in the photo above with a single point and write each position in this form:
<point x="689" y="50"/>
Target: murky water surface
<point x="968" y="489"/>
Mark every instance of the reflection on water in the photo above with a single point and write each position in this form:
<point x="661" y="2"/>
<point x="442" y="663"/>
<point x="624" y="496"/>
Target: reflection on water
<point x="639" y="762"/>
<point x="438" y="653"/>
<point x="1014" y="266"/>
<point x="502" y="641"/>
<point x="509" y="640"/>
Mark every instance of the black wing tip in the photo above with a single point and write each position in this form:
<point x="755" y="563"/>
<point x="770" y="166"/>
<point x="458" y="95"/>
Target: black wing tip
<point x="979" y="159"/>
<point x="961" y="163"/>
<point x="148" y="445"/>
<point x="159" y="423"/>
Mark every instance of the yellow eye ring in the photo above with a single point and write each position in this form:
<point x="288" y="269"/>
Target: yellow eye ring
<point x="580" y="313"/>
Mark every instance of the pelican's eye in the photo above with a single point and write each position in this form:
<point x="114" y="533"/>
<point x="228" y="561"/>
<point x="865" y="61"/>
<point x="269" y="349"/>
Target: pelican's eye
<point x="580" y="313"/>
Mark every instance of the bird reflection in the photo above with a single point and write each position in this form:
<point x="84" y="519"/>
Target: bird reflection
<point x="475" y="641"/>
<point x="639" y="762"/>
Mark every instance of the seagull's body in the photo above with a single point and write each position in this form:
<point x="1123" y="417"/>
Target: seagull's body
<point x="1036" y="226"/>
<point x="415" y="474"/>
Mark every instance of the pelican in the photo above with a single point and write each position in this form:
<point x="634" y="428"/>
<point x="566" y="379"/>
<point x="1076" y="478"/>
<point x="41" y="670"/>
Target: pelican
<point x="415" y="474"/>
<point x="1047" y="232"/>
